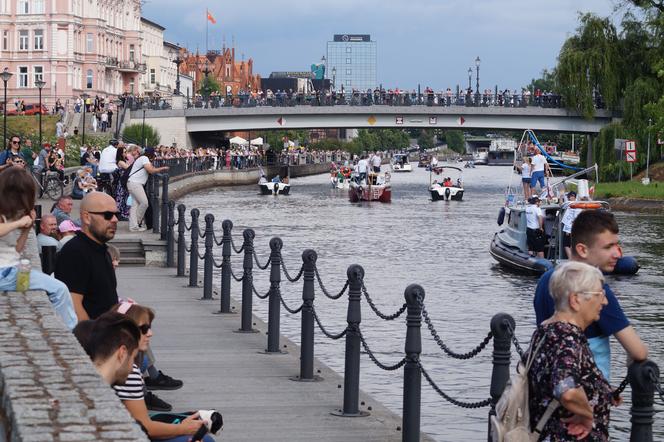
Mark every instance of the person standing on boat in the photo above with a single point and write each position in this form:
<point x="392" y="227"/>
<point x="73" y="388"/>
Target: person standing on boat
<point x="568" y="220"/>
<point x="539" y="167"/>
<point x="525" y="170"/>
<point x="535" y="236"/>
<point x="595" y="241"/>
<point x="375" y="163"/>
<point x="362" y="168"/>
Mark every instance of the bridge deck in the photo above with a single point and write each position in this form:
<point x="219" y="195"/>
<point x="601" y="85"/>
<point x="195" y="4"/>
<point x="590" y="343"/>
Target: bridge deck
<point x="229" y="371"/>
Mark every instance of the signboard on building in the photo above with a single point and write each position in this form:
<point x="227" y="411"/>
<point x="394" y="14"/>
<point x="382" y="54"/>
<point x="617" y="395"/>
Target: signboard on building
<point x="433" y="120"/>
<point x="352" y="37"/>
<point x="398" y="119"/>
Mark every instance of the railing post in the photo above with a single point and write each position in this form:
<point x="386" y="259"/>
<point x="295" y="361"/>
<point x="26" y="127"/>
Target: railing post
<point x="412" y="375"/>
<point x="641" y="375"/>
<point x="182" y="246"/>
<point x="502" y="327"/>
<point x="274" y="306"/>
<point x="353" y="345"/>
<point x="170" y="236"/>
<point x="208" y="262"/>
<point x="155" y="203"/>
<point x="247" y="280"/>
<point x="193" y="256"/>
<point x="227" y="227"/>
<point x="164" y="206"/>
<point x="309" y="258"/>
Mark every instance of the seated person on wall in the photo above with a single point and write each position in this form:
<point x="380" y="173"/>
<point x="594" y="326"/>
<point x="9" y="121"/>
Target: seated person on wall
<point x="17" y="216"/>
<point x="48" y="232"/>
<point x="131" y="392"/>
<point x="62" y="210"/>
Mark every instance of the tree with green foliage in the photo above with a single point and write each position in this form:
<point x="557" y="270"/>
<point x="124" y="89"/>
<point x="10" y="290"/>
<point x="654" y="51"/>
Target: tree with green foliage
<point x="138" y="133"/>
<point x="208" y="85"/>
<point x="547" y="82"/>
<point x="425" y="140"/>
<point x="455" y="141"/>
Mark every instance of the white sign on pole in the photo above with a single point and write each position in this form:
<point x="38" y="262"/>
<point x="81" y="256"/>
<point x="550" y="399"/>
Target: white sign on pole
<point x="630" y="156"/>
<point x="630" y="146"/>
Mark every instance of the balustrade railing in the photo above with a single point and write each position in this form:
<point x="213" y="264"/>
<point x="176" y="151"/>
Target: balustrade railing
<point x="643" y="377"/>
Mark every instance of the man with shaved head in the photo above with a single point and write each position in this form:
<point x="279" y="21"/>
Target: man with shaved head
<point x="84" y="263"/>
<point x="48" y="231"/>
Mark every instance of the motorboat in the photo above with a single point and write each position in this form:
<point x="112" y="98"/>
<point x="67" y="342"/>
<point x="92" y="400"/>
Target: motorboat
<point x="376" y="187"/>
<point x="276" y="185"/>
<point x="425" y="160"/>
<point x="469" y="164"/>
<point x="509" y="245"/>
<point x="444" y="188"/>
<point x="401" y="163"/>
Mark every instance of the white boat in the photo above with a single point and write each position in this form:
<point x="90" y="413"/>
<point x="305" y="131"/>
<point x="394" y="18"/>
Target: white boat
<point x="444" y="188"/>
<point x="274" y="188"/>
<point x="401" y="163"/>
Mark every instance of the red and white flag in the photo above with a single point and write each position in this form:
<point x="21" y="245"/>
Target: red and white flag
<point x="210" y="17"/>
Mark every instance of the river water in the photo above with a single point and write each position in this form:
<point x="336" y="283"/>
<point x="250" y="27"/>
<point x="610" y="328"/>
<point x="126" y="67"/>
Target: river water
<point x="442" y="246"/>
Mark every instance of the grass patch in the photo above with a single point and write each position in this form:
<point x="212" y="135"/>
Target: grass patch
<point x="28" y="126"/>
<point x="630" y="189"/>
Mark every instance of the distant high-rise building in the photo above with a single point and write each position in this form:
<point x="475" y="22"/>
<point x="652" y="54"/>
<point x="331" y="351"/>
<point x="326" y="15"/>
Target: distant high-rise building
<point x="351" y="62"/>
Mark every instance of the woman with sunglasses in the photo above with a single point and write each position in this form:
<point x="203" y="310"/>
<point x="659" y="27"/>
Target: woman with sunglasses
<point x="16" y="219"/>
<point x="8" y="156"/>
<point x="131" y="393"/>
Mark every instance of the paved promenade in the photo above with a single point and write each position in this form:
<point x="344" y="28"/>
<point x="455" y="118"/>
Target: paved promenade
<point x="230" y="371"/>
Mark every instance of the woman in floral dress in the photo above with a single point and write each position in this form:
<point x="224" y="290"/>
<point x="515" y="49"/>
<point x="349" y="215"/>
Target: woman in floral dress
<point x="564" y="368"/>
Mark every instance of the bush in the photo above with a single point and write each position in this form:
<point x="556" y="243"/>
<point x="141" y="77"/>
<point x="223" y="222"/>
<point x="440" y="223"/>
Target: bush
<point x="134" y="134"/>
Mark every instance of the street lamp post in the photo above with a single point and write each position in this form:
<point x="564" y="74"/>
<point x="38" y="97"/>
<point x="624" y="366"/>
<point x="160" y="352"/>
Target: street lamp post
<point x="477" y="79"/>
<point x="40" y="85"/>
<point x="143" y="140"/>
<point x="84" y="97"/>
<point x="178" y="61"/>
<point x="470" y="86"/>
<point x="205" y="89"/>
<point x="334" y="77"/>
<point x="6" y="75"/>
<point x="117" y="102"/>
<point x="647" y="179"/>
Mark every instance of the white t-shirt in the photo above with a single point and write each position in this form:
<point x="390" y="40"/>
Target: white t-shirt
<point x="568" y="219"/>
<point x="107" y="162"/>
<point x="375" y="161"/>
<point x="138" y="174"/>
<point x="525" y="170"/>
<point x="533" y="214"/>
<point x="538" y="163"/>
<point x="362" y="166"/>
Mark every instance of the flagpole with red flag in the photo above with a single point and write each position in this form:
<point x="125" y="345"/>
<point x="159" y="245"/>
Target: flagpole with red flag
<point x="208" y="18"/>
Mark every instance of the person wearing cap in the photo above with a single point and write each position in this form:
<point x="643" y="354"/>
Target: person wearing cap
<point x="535" y="237"/>
<point x="568" y="218"/>
<point x="67" y="231"/>
<point x="138" y="176"/>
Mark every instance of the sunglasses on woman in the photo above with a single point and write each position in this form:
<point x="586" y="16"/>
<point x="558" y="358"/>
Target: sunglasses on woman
<point x="145" y="328"/>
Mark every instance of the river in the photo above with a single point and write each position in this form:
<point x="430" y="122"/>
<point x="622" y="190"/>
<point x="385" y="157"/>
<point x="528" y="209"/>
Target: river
<point x="442" y="246"/>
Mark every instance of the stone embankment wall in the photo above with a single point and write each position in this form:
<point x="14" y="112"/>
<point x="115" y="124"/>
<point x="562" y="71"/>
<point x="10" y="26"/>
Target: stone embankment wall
<point x="181" y="186"/>
<point x="636" y="205"/>
<point x="49" y="389"/>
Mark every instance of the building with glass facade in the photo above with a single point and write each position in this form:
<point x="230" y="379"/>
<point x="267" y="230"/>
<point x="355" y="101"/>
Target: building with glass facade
<point x="351" y="62"/>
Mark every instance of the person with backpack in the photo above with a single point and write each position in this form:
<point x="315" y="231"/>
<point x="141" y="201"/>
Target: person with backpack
<point x="563" y="369"/>
<point x="138" y="176"/>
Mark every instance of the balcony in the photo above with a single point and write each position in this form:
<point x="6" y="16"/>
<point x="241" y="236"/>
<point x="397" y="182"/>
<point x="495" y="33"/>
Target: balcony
<point x="131" y="66"/>
<point x="111" y="62"/>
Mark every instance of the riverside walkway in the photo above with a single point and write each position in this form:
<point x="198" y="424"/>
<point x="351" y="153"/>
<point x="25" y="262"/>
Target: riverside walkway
<point x="230" y="372"/>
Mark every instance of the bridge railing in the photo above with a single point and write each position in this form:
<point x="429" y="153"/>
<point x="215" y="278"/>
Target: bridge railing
<point x="355" y="98"/>
<point x="184" y="249"/>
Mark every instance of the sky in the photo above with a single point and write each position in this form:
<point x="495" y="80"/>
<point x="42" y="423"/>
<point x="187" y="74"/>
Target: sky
<point x="426" y="42"/>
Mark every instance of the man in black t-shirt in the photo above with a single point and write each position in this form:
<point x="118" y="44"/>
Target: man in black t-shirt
<point x="84" y="264"/>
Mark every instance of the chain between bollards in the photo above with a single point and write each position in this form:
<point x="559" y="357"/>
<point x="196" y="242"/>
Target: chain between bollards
<point x="226" y="251"/>
<point x="193" y="249"/>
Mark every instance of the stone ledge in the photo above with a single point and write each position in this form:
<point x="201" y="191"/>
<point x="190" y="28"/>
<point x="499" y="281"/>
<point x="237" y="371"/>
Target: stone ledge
<point x="49" y="389"/>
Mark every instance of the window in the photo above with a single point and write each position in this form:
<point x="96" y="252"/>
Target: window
<point x="23" y="76"/>
<point x="38" y="73"/>
<point x="23" y="40"/>
<point x="348" y="61"/>
<point x="153" y="76"/>
<point x="23" y="7"/>
<point x="39" y="39"/>
<point x="88" y="79"/>
<point x="37" y="6"/>
<point x="131" y="52"/>
<point x="131" y="86"/>
<point x="89" y="42"/>
<point x="347" y="82"/>
<point x="348" y="49"/>
<point x="5" y="40"/>
<point x="348" y="71"/>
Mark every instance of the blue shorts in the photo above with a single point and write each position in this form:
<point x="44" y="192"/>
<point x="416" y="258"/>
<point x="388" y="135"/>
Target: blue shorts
<point x="537" y="176"/>
<point x="525" y="180"/>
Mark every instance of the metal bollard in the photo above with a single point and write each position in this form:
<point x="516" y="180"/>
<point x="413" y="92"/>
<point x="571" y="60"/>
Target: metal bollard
<point x="182" y="247"/>
<point x="208" y="262"/>
<point x="353" y="345"/>
<point x="227" y="227"/>
<point x="309" y="258"/>
<point x="274" y="306"/>
<point x="247" y="293"/>
<point x="193" y="257"/>
<point x="502" y="344"/>
<point x="643" y="392"/>
<point x="164" y="205"/>
<point x="412" y="376"/>
<point x="170" y="235"/>
<point x="155" y="203"/>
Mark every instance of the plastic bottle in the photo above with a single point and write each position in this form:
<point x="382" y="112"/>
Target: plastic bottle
<point x="23" y="275"/>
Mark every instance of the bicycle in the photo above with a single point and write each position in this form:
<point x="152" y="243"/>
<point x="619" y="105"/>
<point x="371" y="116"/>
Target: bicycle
<point x="49" y="184"/>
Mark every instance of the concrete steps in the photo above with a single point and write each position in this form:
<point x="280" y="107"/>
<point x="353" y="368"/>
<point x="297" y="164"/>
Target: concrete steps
<point x="132" y="252"/>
